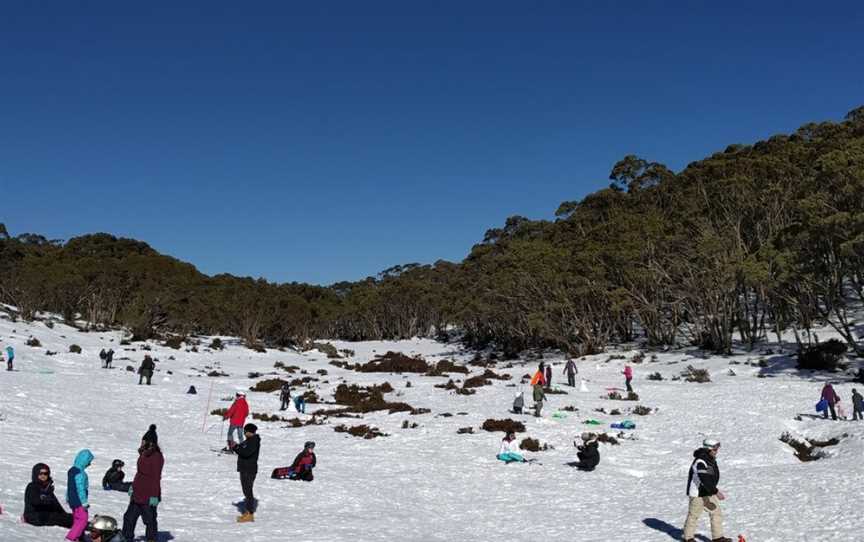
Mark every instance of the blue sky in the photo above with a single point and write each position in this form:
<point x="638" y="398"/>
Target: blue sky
<point x="327" y="142"/>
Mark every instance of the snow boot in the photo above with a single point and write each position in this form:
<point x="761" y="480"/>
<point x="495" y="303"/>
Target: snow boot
<point x="246" y="517"/>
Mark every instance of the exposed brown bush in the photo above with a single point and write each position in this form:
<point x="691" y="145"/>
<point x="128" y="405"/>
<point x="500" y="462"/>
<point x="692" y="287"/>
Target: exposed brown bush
<point x="570" y="408"/>
<point x="268" y="417"/>
<point x="219" y="412"/>
<point x="216" y="344"/>
<point x="215" y="373"/>
<point x="450" y="385"/>
<point x="287" y="368"/>
<point x="807" y="449"/>
<point x="641" y="410"/>
<point x="394" y="362"/>
<point x="446" y="366"/>
<point x="476" y="382"/>
<point x="608" y="439"/>
<point x="33" y="341"/>
<point x="631" y="396"/>
<point x="326" y="348"/>
<point x="554" y="391"/>
<point x="174" y="341"/>
<point x="269" y="385"/>
<point x="361" y="431"/>
<point x="506" y="426"/>
<point x="74" y="349"/>
<point x="533" y="445"/>
<point x="638" y="358"/>
<point x="691" y="374"/>
<point x="655" y="376"/>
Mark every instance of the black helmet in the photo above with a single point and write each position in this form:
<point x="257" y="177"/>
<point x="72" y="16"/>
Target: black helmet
<point x="116" y="464"/>
<point x="309" y="444"/>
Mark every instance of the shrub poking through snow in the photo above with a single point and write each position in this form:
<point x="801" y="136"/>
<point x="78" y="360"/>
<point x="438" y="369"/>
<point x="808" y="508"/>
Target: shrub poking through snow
<point x="287" y="368"/>
<point x="465" y="431"/>
<point x="641" y="410"/>
<point x="216" y="344"/>
<point x="418" y="411"/>
<point x="33" y="341"/>
<point x="360" y="431"/>
<point x="692" y="374"/>
<point x="638" y="358"/>
<point x="347" y="352"/>
<point x="570" y="408"/>
<point x="267" y="386"/>
<point x="555" y="391"/>
<point x="505" y="426"/>
<point x="268" y="417"/>
<point x="655" y="376"/>
<point x="362" y="399"/>
<point x="175" y="341"/>
<point x="215" y="373"/>
<point x="533" y="445"/>
<point x="446" y="366"/>
<point x="74" y="349"/>
<point x="615" y="412"/>
<point x="394" y="362"/>
<point x="407" y="425"/>
<point x="326" y="348"/>
<point x="631" y="396"/>
<point x="821" y="356"/>
<point x="132" y="369"/>
<point x="607" y="438"/>
<point x="219" y="412"/>
<point x="476" y="382"/>
<point x="807" y="449"/>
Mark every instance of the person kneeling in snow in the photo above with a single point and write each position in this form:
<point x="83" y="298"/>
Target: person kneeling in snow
<point x="113" y="478"/>
<point x="588" y="453"/>
<point x="508" y="453"/>
<point x="301" y="468"/>
<point x="41" y="507"/>
<point x="519" y="402"/>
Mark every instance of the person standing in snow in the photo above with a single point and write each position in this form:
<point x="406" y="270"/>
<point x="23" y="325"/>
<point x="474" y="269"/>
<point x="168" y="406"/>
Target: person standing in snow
<point x="628" y="377"/>
<point x="103" y="355"/>
<point x="830" y="396"/>
<point x="146" y="370"/>
<point x="77" y="493"/>
<point x="519" y="402"/>
<point x="508" y="453"/>
<point x="236" y="415"/>
<point x="570" y="370"/>
<point x="548" y="376"/>
<point x="109" y="358"/>
<point x="539" y="376"/>
<point x="539" y="397"/>
<point x="146" y="490"/>
<point x="703" y="492"/>
<point x="41" y="507"/>
<point x="10" y="357"/>
<point x="285" y="396"/>
<point x="857" y="405"/>
<point x="247" y="465"/>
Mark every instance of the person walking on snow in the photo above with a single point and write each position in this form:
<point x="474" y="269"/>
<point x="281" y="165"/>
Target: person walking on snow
<point x="146" y="369"/>
<point x="236" y="415"/>
<point x="247" y="465"/>
<point x="571" y="371"/>
<point x="628" y="377"/>
<point x="77" y="492"/>
<point x="146" y="490"/>
<point x="109" y="358"/>
<point x="703" y="492"/>
<point x="10" y="357"/>
<point x="539" y="397"/>
<point x="830" y="396"/>
<point x="41" y="507"/>
<point x="285" y="395"/>
<point x="508" y="453"/>
<point x="857" y="405"/>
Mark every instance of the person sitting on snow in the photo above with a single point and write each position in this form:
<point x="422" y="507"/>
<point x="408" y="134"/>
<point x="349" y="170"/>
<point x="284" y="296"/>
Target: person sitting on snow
<point x="588" y="453"/>
<point x="113" y="478"/>
<point x="519" y="402"/>
<point x="41" y="507"/>
<point x="301" y="468"/>
<point x="508" y="452"/>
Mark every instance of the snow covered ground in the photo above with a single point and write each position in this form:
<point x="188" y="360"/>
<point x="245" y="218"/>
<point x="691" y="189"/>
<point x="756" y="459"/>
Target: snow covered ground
<point x="428" y="483"/>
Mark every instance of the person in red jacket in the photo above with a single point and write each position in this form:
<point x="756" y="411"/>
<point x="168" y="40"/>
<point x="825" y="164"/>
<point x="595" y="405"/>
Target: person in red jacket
<point x="237" y="415"/>
<point x="146" y="491"/>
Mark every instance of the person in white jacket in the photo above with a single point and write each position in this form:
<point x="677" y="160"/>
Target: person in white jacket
<point x="508" y="452"/>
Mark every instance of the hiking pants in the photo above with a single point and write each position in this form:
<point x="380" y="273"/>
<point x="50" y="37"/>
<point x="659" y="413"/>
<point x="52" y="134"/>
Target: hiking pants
<point x="247" y="480"/>
<point x="833" y="412"/>
<point x="571" y="379"/>
<point x="694" y="512"/>
<point x="627" y="382"/>
<point x="856" y="414"/>
<point x="537" y="406"/>
<point x="146" y="513"/>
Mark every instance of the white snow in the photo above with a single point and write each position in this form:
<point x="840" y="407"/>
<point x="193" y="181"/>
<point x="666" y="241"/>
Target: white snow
<point x="428" y="483"/>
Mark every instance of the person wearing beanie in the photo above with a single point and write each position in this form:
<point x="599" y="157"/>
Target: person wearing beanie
<point x="146" y="491"/>
<point x="703" y="492"/>
<point x="247" y="465"/>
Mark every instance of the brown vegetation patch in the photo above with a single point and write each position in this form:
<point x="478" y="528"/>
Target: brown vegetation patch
<point x="692" y="374"/>
<point x="361" y="431"/>
<point x="506" y="426"/>
<point x="465" y="431"/>
<point x="533" y="445"/>
<point x="446" y="366"/>
<point x="640" y="410"/>
<point x="807" y="449"/>
<point x="269" y="385"/>
<point x="631" y="396"/>
<point x="287" y="368"/>
<point x="394" y="362"/>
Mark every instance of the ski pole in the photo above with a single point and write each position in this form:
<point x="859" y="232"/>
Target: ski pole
<point x="207" y="410"/>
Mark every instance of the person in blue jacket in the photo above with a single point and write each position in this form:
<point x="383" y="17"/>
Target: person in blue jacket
<point x="77" y="493"/>
<point x="10" y="357"/>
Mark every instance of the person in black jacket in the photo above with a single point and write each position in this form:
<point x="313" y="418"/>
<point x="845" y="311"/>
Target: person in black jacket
<point x="285" y="395"/>
<point x="247" y="465"/>
<point x="588" y="453"/>
<point x="41" y="507"/>
<point x="113" y="478"/>
<point x="703" y="492"/>
<point x="146" y="370"/>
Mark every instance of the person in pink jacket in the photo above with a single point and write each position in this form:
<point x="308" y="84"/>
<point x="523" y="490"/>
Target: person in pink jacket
<point x="628" y="376"/>
<point x="237" y="419"/>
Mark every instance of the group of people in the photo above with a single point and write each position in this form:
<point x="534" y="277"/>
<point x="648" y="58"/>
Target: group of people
<point x="41" y="507"/>
<point x="106" y="357"/>
<point x="285" y="398"/>
<point x="830" y="402"/>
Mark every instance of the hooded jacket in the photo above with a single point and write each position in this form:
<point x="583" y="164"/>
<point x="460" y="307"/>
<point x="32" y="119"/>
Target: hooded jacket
<point x="304" y="461"/>
<point x="519" y="401"/>
<point x="247" y="454"/>
<point x="148" y="479"/>
<point x="39" y="498"/>
<point x="829" y="394"/>
<point x="857" y="401"/>
<point x="77" y="483"/>
<point x="238" y="411"/>
<point x="628" y="372"/>
<point x="704" y="475"/>
<point x="589" y="455"/>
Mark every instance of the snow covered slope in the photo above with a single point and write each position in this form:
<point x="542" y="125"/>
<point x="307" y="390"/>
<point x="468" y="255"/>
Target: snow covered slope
<point x="428" y="483"/>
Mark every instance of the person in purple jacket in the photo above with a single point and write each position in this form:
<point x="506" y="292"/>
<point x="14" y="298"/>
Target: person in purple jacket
<point x="831" y="398"/>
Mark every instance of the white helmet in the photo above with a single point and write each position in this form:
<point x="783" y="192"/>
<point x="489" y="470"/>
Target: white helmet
<point x="710" y="443"/>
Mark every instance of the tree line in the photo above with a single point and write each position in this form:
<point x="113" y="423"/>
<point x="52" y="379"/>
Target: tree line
<point x="745" y="245"/>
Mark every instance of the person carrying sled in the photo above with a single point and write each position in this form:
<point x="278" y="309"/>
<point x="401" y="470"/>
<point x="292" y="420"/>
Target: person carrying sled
<point x="571" y="371"/>
<point x="831" y="398"/>
<point x="628" y="377"/>
<point x="519" y="402"/>
<point x="285" y="396"/>
<point x="77" y="493"/>
<point x="508" y="453"/>
<point x="146" y="491"/>
<point x="236" y="416"/>
<point x="588" y="453"/>
<point x="857" y="405"/>
<point x="113" y="478"/>
<point x="703" y="493"/>
<point x="146" y="370"/>
<point x="247" y="465"/>
<point x="539" y="397"/>
<point x="41" y="507"/>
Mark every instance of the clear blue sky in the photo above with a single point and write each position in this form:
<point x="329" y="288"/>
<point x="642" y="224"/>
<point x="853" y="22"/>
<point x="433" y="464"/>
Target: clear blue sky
<point x="326" y="141"/>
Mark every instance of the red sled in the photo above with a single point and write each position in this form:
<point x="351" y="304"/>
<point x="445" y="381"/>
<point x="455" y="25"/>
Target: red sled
<point x="280" y="473"/>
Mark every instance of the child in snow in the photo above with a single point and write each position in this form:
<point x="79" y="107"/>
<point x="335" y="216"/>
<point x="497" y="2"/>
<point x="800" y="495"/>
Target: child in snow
<point x="77" y="491"/>
<point x="628" y="377"/>
<point x="41" y="507"/>
<point x="113" y="478"/>
<point x="519" y="402"/>
<point x="830" y="397"/>
<point x="507" y="453"/>
<point x="857" y="405"/>
<point x="539" y="397"/>
<point x="104" y="529"/>
<point x="588" y="453"/>
<point x="300" y="404"/>
<point x="301" y="468"/>
<point x="10" y="357"/>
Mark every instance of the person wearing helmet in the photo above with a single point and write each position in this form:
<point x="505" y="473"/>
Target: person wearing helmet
<point x="703" y="492"/>
<point x="104" y="529"/>
<point x="113" y="479"/>
<point x="301" y="468"/>
<point x="236" y="415"/>
<point x="41" y="506"/>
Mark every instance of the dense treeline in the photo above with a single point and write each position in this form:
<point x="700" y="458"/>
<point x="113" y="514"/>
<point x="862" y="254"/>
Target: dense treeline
<point x="752" y="241"/>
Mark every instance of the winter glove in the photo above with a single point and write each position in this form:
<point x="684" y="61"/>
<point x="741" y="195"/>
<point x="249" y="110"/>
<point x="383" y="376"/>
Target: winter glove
<point x="153" y="501"/>
<point x="130" y="491"/>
